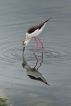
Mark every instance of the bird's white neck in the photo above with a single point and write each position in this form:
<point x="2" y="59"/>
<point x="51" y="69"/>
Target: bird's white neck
<point x="27" y="41"/>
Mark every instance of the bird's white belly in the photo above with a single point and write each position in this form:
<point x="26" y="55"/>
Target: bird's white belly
<point x="34" y="34"/>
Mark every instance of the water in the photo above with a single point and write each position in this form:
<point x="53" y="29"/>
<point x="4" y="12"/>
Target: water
<point x="15" y="18"/>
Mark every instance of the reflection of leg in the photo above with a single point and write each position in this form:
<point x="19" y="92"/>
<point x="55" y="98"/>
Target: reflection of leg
<point x="36" y="60"/>
<point x="41" y="61"/>
<point x="36" y="45"/>
<point x="41" y="45"/>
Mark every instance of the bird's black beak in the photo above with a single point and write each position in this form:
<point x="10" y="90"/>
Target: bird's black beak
<point x="23" y="49"/>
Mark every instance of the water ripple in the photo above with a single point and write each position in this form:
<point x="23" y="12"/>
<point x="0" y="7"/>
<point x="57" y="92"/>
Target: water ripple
<point x="57" y="55"/>
<point x="13" y="54"/>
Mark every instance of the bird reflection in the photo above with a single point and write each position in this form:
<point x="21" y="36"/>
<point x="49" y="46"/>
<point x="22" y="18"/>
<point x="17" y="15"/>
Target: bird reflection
<point x="33" y="72"/>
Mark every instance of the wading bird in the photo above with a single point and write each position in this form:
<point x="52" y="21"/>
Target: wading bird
<point x="33" y="32"/>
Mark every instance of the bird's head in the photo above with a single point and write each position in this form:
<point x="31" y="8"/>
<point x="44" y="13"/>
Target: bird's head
<point x="25" y="42"/>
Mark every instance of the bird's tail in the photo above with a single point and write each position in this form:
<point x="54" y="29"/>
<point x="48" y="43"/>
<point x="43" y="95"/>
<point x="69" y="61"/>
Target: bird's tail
<point x="47" y="20"/>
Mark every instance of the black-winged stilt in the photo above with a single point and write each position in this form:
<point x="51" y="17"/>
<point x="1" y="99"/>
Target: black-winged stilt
<point x="33" y="32"/>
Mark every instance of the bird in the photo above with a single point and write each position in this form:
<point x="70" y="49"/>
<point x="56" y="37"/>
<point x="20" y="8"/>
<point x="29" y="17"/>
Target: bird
<point x="33" y="32"/>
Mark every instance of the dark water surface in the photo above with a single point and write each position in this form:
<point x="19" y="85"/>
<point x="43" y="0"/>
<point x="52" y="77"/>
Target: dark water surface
<point x="16" y="16"/>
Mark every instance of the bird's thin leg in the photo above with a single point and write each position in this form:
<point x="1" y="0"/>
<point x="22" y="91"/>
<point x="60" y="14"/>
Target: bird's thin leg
<point x="41" y="44"/>
<point x="36" y="45"/>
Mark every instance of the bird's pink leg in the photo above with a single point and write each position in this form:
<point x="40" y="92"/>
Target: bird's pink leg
<point x="41" y="44"/>
<point x="36" y="45"/>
